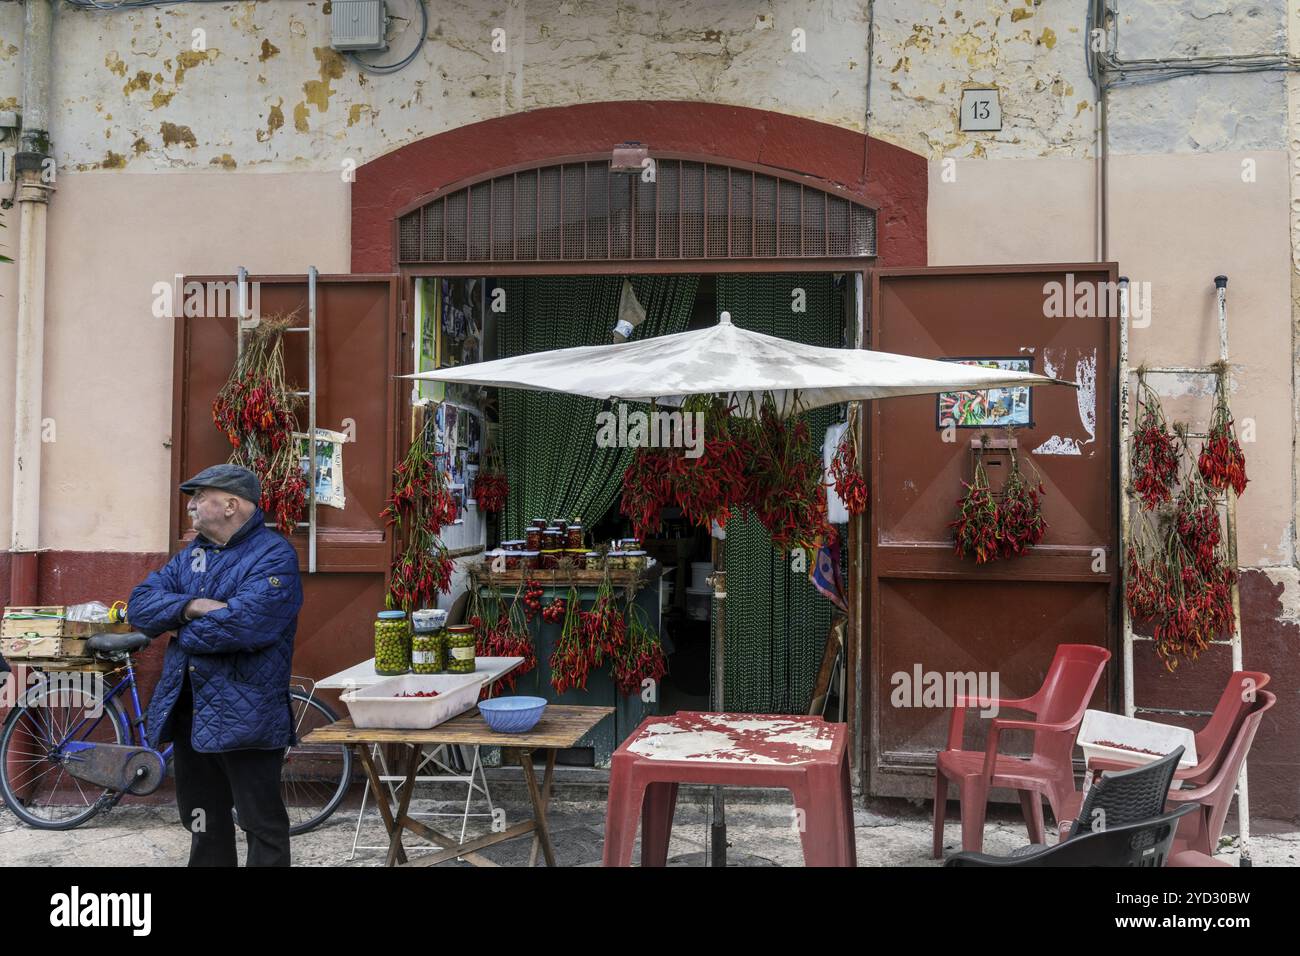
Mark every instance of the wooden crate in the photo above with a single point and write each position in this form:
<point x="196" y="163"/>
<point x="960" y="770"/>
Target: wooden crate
<point x="18" y="623"/>
<point x="51" y="648"/>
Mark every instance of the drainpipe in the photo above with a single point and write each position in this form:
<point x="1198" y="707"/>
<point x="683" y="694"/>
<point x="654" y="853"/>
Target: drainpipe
<point x="29" y="352"/>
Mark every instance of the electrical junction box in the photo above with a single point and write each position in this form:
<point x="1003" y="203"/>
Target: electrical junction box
<point x="358" y="25"/>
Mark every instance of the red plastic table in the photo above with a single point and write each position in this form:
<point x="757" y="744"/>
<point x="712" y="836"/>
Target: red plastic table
<point x="805" y="755"/>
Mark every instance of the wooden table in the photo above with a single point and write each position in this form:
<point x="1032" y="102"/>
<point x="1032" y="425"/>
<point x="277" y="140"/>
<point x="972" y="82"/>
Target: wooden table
<point x="560" y="727"/>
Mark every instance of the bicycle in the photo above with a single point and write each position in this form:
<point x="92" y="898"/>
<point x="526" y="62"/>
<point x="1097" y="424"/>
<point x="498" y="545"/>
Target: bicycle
<point x="71" y="723"/>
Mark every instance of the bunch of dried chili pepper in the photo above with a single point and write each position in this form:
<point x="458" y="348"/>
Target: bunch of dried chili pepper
<point x="849" y="483"/>
<point x="490" y="491"/>
<point x="420" y="506"/>
<point x="787" y="494"/>
<point x="1020" y="513"/>
<point x="570" y="663"/>
<point x="642" y="656"/>
<point x="976" y="531"/>
<point x="646" y="489"/>
<point x="1154" y="459"/>
<point x="604" y="628"/>
<point x="710" y="487"/>
<point x="491" y="487"/>
<point x="1197" y="521"/>
<point x="420" y="573"/>
<point x="508" y="636"/>
<point x="1222" y="463"/>
<point x="254" y="409"/>
<point x="421" y="498"/>
<point x="1147" y="575"/>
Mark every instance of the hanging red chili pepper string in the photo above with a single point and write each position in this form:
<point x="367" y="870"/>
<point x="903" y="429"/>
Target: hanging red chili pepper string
<point x="420" y="506"/>
<point x="849" y="483"/>
<point x="1222" y="463"/>
<point x="1020" y="513"/>
<point x="975" y="532"/>
<point x="1154" y="459"/>
<point x="254" y="409"/>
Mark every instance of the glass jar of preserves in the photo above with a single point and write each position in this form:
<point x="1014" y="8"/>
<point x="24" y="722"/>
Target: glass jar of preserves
<point x="428" y="642"/>
<point x="635" y="560"/>
<point x="552" y="540"/>
<point x="591" y="561"/>
<point x="460" y="649"/>
<point x="550" y="559"/>
<point x="616" y="561"/>
<point x="541" y="524"/>
<point x="534" y="539"/>
<point x="573" y="536"/>
<point x="392" y="643"/>
<point x="528" y="560"/>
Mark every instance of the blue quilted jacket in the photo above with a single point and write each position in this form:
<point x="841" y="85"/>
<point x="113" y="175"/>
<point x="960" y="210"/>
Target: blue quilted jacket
<point x="238" y="657"/>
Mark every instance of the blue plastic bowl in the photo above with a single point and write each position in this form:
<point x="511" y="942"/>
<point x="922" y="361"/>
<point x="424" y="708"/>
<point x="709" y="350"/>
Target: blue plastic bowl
<point x="512" y="715"/>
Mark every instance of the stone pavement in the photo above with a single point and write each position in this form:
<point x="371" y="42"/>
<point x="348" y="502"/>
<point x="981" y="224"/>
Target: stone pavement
<point x="760" y="833"/>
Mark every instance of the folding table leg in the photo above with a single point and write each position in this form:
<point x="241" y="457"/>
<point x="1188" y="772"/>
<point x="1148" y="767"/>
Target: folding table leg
<point x="539" y="803"/>
<point x="381" y="801"/>
<point x="548" y="791"/>
<point x="396" y="853"/>
<point x="657" y="822"/>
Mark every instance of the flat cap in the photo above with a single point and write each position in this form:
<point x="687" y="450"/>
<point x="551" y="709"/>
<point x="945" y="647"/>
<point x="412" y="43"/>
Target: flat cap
<point x="233" y="478"/>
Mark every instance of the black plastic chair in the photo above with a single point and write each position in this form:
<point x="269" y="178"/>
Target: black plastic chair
<point x="1117" y="800"/>
<point x="1127" y="796"/>
<point x="1145" y="843"/>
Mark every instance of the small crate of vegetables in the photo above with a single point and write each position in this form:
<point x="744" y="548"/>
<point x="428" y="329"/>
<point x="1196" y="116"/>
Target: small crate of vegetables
<point x="404" y="703"/>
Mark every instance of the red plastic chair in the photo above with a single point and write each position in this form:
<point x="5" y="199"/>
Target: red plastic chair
<point x="1058" y="708"/>
<point x="1214" y="740"/>
<point x="1198" y="833"/>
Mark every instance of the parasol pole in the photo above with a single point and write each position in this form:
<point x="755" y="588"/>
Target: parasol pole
<point x="718" y="827"/>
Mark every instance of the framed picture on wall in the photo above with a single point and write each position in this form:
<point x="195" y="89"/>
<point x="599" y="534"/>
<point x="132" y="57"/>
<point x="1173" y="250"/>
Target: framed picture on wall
<point x="988" y="408"/>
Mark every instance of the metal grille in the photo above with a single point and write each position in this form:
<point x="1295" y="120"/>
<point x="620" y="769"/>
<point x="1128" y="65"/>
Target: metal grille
<point x="580" y="211"/>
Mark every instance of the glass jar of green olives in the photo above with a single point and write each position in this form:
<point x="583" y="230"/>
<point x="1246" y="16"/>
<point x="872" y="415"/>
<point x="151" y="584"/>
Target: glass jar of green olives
<point x="392" y="643"/>
<point x="460" y="649"/>
<point x="429" y="641"/>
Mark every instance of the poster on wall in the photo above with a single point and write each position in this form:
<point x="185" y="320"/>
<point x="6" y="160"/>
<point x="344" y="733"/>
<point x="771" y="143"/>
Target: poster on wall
<point x="428" y="299"/>
<point x="990" y="408"/>
<point x="329" y="465"/>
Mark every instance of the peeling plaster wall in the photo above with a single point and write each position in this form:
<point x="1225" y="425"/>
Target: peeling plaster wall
<point x="268" y="92"/>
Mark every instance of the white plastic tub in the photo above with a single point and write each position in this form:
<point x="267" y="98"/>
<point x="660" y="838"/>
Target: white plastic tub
<point x="1098" y="725"/>
<point x="380" y="705"/>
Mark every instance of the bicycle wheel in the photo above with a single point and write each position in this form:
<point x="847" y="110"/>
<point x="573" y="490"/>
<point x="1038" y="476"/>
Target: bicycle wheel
<point x="34" y="780"/>
<point x="315" y="777"/>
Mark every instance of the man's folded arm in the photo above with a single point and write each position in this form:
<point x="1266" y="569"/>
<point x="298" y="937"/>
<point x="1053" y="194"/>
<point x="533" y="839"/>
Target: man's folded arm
<point x="255" y="616"/>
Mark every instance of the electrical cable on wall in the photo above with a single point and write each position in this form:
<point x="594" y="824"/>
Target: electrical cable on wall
<point x="131" y="4"/>
<point x="384" y="69"/>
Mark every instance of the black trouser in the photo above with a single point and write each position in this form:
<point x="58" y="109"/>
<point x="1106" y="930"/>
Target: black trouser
<point x="209" y="785"/>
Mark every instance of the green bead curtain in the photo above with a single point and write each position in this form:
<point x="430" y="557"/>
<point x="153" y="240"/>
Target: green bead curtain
<point x="776" y="621"/>
<point x="548" y="441"/>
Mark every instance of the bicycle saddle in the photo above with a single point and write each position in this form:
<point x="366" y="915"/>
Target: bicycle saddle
<point x="115" y="643"/>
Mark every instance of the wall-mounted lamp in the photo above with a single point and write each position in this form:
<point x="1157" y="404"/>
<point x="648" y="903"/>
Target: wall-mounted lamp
<point x="628" y="158"/>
